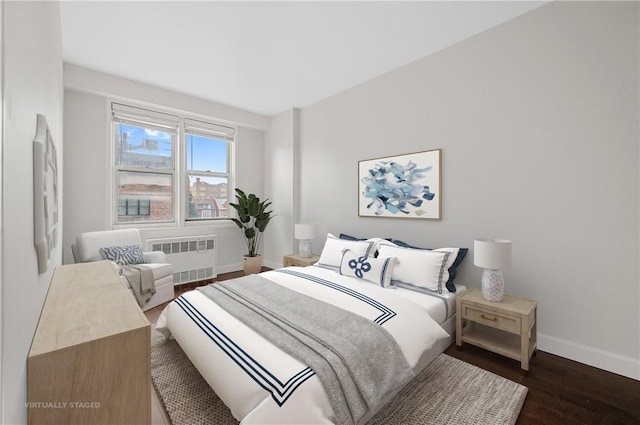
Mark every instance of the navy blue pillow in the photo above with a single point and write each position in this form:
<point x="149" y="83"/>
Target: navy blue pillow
<point x="453" y="270"/>
<point x="353" y="238"/>
<point x="406" y="245"/>
<point x="350" y="238"/>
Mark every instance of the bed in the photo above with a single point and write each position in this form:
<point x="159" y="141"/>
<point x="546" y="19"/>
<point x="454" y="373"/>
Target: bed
<point x="263" y="383"/>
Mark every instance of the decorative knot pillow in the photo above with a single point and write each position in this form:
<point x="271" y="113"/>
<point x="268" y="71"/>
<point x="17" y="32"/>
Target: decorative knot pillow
<point x="376" y="270"/>
<point x="123" y="255"/>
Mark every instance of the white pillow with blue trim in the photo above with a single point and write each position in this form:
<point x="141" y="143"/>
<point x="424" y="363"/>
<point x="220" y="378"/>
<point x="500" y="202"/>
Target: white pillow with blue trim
<point x="331" y="255"/>
<point x="427" y="269"/>
<point x="125" y="254"/>
<point x="376" y="270"/>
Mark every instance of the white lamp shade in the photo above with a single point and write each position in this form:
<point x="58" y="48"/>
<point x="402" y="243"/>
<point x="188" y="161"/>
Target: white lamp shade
<point x="492" y="253"/>
<point x="304" y="231"/>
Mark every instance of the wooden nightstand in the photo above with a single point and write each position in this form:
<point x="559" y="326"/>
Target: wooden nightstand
<point x="508" y="328"/>
<point x="296" y="260"/>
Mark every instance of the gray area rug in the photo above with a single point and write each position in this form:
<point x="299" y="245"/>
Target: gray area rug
<point x="448" y="391"/>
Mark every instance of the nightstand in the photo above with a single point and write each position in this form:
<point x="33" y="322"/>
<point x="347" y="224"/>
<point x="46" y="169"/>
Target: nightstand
<point x="296" y="260"/>
<point x="508" y="328"/>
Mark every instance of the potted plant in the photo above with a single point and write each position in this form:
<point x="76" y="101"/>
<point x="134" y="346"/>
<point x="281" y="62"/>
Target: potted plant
<point x="253" y="219"/>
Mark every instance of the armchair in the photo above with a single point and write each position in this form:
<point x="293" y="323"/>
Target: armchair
<point x="87" y="248"/>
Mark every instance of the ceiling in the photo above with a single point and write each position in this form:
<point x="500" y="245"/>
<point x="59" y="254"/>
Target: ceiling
<point x="266" y="57"/>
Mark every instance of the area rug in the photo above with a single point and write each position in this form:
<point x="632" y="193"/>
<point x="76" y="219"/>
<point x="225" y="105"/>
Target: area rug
<point x="448" y="391"/>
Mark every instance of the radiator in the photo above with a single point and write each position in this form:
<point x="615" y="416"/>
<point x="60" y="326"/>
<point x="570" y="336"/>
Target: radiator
<point x="193" y="257"/>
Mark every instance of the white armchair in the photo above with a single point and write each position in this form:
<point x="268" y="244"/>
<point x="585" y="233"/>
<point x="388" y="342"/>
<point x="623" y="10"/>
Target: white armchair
<point x="87" y="248"/>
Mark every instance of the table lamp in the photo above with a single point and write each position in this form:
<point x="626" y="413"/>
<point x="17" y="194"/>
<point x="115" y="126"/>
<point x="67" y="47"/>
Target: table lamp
<point x="304" y="233"/>
<point x="493" y="255"/>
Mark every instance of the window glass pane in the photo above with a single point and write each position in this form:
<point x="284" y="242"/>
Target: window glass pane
<point x="144" y="190"/>
<point x="132" y="206"/>
<point x="208" y="197"/>
<point x="145" y="207"/>
<point x="138" y="146"/>
<point x="122" y="207"/>
<point x="207" y="154"/>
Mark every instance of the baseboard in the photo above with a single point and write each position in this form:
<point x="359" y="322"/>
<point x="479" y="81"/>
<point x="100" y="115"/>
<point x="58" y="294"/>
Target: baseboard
<point x="272" y="264"/>
<point x="606" y="360"/>
<point x="236" y="267"/>
<point x="228" y="268"/>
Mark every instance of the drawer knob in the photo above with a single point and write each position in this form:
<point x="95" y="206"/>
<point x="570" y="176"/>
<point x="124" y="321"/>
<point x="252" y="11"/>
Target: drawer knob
<point x="493" y="319"/>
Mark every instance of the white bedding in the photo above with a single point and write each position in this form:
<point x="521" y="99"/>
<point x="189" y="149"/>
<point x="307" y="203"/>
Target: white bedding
<point x="262" y="384"/>
<point x="440" y="306"/>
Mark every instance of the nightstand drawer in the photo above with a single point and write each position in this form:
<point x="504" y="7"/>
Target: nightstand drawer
<point x="495" y="320"/>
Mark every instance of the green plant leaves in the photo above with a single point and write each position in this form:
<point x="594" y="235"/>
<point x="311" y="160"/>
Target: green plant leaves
<point x="253" y="218"/>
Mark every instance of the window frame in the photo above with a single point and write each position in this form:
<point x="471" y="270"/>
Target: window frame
<point x="178" y="171"/>
<point x="190" y="129"/>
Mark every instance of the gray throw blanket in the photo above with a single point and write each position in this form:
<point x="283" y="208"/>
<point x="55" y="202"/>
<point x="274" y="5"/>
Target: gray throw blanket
<point x="140" y="278"/>
<point x="357" y="361"/>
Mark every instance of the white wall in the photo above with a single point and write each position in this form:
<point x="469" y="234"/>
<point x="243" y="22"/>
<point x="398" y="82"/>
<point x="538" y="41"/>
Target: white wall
<point x="538" y="124"/>
<point x="32" y="78"/>
<point x="86" y="80"/>
<point x="86" y="166"/>
<point x="87" y="157"/>
<point x="282" y="185"/>
<point x="250" y="175"/>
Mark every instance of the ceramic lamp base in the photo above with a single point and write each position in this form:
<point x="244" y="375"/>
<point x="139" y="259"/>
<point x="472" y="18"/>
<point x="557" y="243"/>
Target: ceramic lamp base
<point x="492" y="285"/>
<point x="304" y="248"/>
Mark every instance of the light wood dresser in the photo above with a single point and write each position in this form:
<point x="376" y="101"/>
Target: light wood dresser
<point x="90" y="359"/>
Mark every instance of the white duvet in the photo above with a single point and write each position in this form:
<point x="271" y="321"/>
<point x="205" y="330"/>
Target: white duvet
<point x="260" y="383"/>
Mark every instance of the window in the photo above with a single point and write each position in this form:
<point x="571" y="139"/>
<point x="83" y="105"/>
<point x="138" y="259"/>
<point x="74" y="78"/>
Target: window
<point x="134" y="207"/>
<point x="207" y="158"/>
<point x="161" y="159"/>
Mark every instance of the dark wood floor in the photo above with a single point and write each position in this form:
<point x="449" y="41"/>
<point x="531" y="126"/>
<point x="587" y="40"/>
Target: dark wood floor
<point x="561" y="391"/>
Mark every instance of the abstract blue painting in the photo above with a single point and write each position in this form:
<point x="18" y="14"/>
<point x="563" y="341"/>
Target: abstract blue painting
<point x="406" y="186"/>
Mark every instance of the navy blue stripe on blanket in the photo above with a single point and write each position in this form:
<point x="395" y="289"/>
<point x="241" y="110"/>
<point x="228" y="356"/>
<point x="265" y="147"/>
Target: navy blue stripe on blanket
<point x="280" y="392"/>
<point x="387" y="313"/>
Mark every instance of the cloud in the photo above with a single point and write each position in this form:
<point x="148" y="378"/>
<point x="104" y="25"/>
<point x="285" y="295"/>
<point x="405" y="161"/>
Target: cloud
<point x="157" y="134"/>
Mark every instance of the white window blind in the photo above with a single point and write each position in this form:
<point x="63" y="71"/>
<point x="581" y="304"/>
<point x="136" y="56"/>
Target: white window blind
<point x="153" y="119"/>
<point x="206" y="129"/>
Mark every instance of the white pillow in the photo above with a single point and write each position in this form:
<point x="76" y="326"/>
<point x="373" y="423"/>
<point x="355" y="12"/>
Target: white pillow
<point x="376" y="243"/>
<point x="376" y="270"/>
<point x="452" y="258"/>
<point x="426" y="269"/>
<point x="332" y="251"/>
